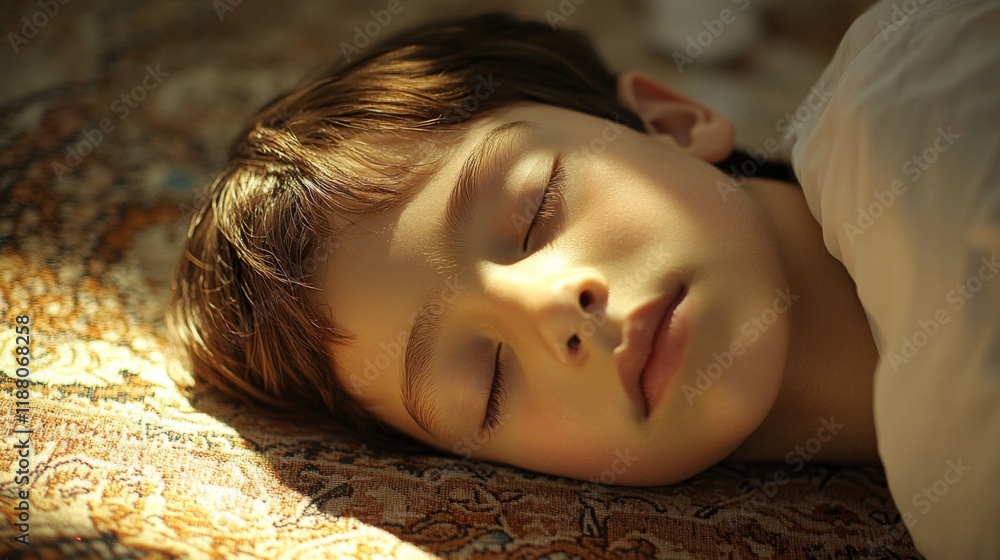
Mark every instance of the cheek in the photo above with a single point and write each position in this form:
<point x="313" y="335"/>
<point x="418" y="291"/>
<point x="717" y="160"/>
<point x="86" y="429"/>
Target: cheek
<point x="585" y="448"/>
<point x="629" y="203"/>
<point x="563" y="430"/>
<point x="740" y="363"/>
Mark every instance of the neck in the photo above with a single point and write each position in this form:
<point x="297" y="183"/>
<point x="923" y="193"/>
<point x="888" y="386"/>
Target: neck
<point x="823" y="412"/>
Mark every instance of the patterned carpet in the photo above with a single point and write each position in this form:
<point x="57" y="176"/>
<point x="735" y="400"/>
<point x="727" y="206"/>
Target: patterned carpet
<point x="112" y="116"/>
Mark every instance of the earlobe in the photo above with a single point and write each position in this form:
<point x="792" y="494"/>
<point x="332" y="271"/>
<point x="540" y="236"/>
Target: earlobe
<point x="693" y="127"/>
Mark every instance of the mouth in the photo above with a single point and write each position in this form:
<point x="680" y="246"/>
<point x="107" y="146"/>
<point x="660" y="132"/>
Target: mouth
<point x="651" y="350"/>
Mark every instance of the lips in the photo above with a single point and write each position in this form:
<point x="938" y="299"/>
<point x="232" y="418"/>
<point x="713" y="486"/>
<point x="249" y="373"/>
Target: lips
<point x="644" y="338"/>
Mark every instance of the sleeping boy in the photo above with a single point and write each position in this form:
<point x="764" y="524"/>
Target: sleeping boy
<point x="477" y="238"/>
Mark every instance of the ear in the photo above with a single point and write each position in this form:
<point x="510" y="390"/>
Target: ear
<point x="694" y="128"/>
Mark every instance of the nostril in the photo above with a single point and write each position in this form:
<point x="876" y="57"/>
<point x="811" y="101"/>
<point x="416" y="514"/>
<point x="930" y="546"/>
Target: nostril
<point x="585" y="299"/>
<point x="573" y="343"/>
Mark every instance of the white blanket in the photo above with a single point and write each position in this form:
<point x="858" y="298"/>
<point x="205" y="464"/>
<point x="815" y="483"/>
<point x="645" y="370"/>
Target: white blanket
<point x="897" y="150"/>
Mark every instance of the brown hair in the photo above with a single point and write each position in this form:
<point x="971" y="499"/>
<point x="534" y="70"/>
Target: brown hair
<point x="238" y="307"/>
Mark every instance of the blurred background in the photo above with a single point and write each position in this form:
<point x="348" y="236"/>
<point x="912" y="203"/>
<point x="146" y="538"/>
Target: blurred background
<point x="226" y="57"/>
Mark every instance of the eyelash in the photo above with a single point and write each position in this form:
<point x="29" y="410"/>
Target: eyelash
<point x="551" y="195"/>
<point x="545" y="211"/>
<point x="494" y="407"/>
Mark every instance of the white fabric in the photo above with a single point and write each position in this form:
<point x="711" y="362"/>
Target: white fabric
<point x="920" y="80"/>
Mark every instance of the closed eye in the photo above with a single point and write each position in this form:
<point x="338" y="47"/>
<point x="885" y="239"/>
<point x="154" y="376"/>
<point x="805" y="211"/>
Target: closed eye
<point x="495" y="404"/>
<point x="550" y="199"/>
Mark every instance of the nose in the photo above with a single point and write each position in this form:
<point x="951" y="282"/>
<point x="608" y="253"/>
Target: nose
<point x="564" y="309"/>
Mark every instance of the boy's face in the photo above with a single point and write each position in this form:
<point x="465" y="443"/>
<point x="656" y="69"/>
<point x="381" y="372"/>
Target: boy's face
<point x="639" y="219"/>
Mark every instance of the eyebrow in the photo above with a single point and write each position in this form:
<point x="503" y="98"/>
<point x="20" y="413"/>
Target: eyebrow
<point x="485" y="160"/>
